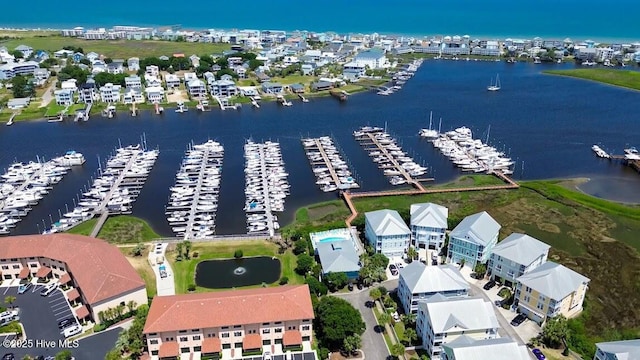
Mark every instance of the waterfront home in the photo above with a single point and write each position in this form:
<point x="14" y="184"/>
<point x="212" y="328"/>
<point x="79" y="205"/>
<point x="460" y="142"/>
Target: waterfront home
<point x="338" y="256"/>
<point x="93" y="275"/>
<point x="307" y="69"/>
<point x="98" y="66"/>
<point x="238" y="322"/>
<point x="515" y="256"/>
<point x="272" y="88"/>
<point x="197" y="89"/>
<point x="472" y="241"/>
<point x="152" y="81"/>
<point x="223" y="88"/>
<point x="5" y="57"/>
<point x="372" y="58"/>
<point x="133" y="64"/>
<point x="133" y="81"/>
<point x="63" y="96"/>
<point x="195" y="60"/>
<point x="387" y="233"/>
<point x="171" y="81"/>
<point x="133" y="95"/>
<point x="88" y="92"/>
<point x="262" y="77"/>
<point x="241" y="71"/>
<point x="152" y="70"/>
<point x="428" y="225"/>
<point x="70" y="84"/>
<point x="297" y="88"/>
<point x="18" y="103"/>
<point x="62" y="53"/>
<point x="468" y="348"/>
<point x="10" y="70"/>
<point x="41" y="76"/>
<point x="618" y="350"/>
<point x="321" y="86"/>
<point x="189" y="76"/>
<point x="115" y="67"/>
<point x="155" y="94"/>
<point x="419" y="282"/>
<point x="41" y="56"/>
<point x="110" y="93"/>
<point x="550" y="290"/>
<point x="353" y="71"/>
<point x="25" y="50"/>
<point x="442" y="320"/>
<point x="93" y="56"/>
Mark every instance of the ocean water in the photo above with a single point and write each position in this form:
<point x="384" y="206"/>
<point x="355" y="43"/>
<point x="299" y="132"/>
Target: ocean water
<point x="579" y="19"/>
<point x="547" y="124"/>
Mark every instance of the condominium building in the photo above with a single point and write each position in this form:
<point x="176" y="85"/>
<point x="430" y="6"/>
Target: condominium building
<point x="428" y="225"/>
<point x="472" y="241"/>
<point x="515" y="256"/>
<point x="386" y="232"/>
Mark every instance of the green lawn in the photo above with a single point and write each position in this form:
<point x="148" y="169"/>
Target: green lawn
<point x="184" y="271"/>
<point x="625" y="78"/>
<point x="119" y="230"/>
<point x="118" y="49"/>
<point x="54" y="109"/>
<point x="141" y="264"/>
<point x="84" y="228"/>
<point x="295" y="79"/>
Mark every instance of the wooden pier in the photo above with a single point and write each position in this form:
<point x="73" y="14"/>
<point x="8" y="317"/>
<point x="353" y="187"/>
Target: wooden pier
<point x="189" y="233"/>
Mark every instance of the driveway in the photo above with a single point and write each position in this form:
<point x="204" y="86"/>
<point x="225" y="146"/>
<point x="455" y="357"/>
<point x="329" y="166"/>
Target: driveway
<point x="373" y="343"/>
<point x="47" y="96"/>
<point x="157" y="261"/>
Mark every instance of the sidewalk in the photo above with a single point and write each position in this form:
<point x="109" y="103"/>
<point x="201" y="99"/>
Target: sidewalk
<point x="166" y="286"/>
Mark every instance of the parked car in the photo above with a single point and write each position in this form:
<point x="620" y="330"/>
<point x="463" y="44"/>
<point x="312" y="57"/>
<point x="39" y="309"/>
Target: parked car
<point x="24" y="287"/>
<point x="266" y="355"/>
<point x="8" y="356"/>
<point x="350" y="287"/>
<point x="539" y="355"/>
<point x="49" y="289"/>
<point x="400" y="265"/>
<point x="65" y="323"/>
<point x="395" y="316"/>
<point x="359" y="286"/>
<point x="499" y="303"/>
<point x="72" y="330"/>
<point x="489" y="285"/>
<point x="393" y="269"/>
<point x="519" y="319"/>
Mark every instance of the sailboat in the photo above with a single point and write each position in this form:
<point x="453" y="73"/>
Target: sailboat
<point x="429" y="133"/>
<point x="496" y="86"/>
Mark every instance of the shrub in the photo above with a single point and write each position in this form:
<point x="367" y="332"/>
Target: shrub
<point x="195" y="254"/>
<point x="191" y="287"/>
<point x="284" y="280"/>
<point x="99" y="327"/>
<point x="238" y="254"/>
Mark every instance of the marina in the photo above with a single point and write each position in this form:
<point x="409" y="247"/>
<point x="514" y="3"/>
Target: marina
<point x="397" y="166"/>
<point x="400" y="78"/>
<point x="193" y="202"/>
<point x="331" y="171"/>
<point x="23" y="185"/>
<point x="472" y="155"/>
<point x="114" y="190"/>
<point x="266" y="186"/>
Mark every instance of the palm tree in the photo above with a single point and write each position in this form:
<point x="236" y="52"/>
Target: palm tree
<point x="410" y="335"/>
<point x="9" y="300"/>
<point x="412" y="254"/>
<point x="187" y="248"/>
<point x="375" y="294"/>
<point x="101" y="316"/>
<point x="384" y="319"/>
<point x="132" y="305"/>
<point x="179" y="249"/>
<point x="397" y="350"/>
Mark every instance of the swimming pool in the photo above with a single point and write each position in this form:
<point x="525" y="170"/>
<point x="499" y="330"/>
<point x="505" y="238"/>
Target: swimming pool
<point x="328" y="239"/>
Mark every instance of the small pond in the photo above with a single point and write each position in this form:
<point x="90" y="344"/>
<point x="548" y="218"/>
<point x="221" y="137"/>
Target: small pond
<point x="224" y="274"/>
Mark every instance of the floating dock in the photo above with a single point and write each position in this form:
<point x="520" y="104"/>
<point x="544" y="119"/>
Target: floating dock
<point x="395" y="163"/>
<point x="266" y="186"/>
<point x="194" y="199"/>
<point x="332" y="173"/>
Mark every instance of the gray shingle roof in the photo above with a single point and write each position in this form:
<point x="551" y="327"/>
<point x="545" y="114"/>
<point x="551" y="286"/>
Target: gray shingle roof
<point x="387" y="222"/>
<point x="429" y="214"/>
<point x="420" y="278"/>
<point x="446" y="314"/>
<point x="338" y="256"/>
<point x="480" y="228"/>
<point x="553" y="280"/>
<point x="623" y="350"/>
<point x="467" y="348"/>
<point x="521" y="248"/>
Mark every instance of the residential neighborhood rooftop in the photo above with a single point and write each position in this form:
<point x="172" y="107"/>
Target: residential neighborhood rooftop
<point x="479" y="228"/>
<point x="387" y="222"/>
<point x="467" y="348"/>
<point x="429" y="214"/>
<point x="421" y="278"/>
<point x="521" y="248"/>
<point x="553" y="280"/>
<point x="471" y="313"/>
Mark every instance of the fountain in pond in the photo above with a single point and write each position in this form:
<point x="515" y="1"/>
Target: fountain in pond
<point x="230" y="273"/>
<point x="239" y="271"/>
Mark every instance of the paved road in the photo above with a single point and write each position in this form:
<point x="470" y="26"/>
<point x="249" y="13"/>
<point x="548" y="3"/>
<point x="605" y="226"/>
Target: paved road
<point x="372" y="342"/>
<point x="165" y="285"/>
<point x="48" y="94"/>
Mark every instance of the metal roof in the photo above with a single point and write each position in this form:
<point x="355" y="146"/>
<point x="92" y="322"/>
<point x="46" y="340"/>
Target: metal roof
<point x="429" y="215"/>
<point x="420" y="278"/>
<point x="387" y="222"/>
<point x="479" y="228"/>
<point x="521" y="248"/>
<point x="553" y="280"/>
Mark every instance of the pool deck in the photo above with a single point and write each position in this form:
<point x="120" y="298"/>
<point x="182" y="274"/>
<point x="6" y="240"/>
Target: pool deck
<point x="346" y="234"/>
<point x="165" y="286"/>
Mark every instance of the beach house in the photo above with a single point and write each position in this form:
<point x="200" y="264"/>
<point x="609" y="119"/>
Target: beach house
<point x="40" y="76"/>
<point x="387" y="233"/>
<point x="197" y="89"/>
<point x="472" y="241"/>
<point x="116" y="67"/>
<point x="87" y="92"/>
<point x="110" y="93"/>
<point x="155" y="94"/>
<point x="618" y="350"/>
<point x="442" y="320"/>
<point x="133" y="81"/>
<point x="25" y="50"/>
<point x="133" y="95"/>
<point x="372" y="58"/>
<point x="468" y="348"/>
<point x="515" y="256"/>
<point x="339" y="256"/>
<point x="224" y="87"/>
<point x="550" y="290"/>
<point x="428" y="225"/>
<point x="353" y="71"/>
<point x="419" y="282"/>
<point x="152" y="70"/>
<point x="133" y="64"/>
<point x="171" y="81"/>
<point x="63" y="97"/>
<point x="237" y="322"/>
<point x="272" y="88"/>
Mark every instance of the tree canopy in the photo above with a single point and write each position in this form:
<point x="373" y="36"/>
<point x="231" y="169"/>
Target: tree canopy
<point x="336" y="320"/>
<point x="22" y="87"/>
<point x="555" y="330"/>
<point x="335" y="280"/>
<point x="305" y="263"/>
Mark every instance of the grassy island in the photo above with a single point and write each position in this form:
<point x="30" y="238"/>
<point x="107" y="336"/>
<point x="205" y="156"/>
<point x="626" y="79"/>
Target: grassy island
<point x="120" y="229"/>
<point x="623" y="78"/>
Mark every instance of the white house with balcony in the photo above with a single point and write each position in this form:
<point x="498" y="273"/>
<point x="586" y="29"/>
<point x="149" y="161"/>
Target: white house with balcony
<point x="152" y="81"/>
<point x="387" y="233"/>
<point x="133" y="64"/>
<point x="372" y="58"/>
<point x="442" y="320"/>
<point x="515" y="256"/>
<point x="472" y="241"/>
<point x="155" y="94"/>
<point x="419" y="282"/>
<point x="618" y="350"/>
<point x="152" y="70"/>
<point x="110" y="93"/>
<point x="25" y="50"/>
<point x="428" y="225"/>
<point x="197" y="89"/>
<point x="133" y="81"/>
<point x="468" y="348"/>
<point x="223" y="88"/>
<point x="133" y="95"/>
<point x="171" y="81"/>
<point x="63" y="97"/>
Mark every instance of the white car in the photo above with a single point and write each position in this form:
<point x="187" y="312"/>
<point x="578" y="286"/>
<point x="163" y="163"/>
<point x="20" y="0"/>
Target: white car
<point x="72" y="330"/>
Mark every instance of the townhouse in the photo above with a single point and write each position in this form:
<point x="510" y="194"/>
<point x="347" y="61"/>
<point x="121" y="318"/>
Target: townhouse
<point x="94" y="274"/>
<point x="472" y="241"/>
<point x="372" y="58"/>
<point x="442" y="320"/>
<point x="515" y="256"/>
<point x="386" y="232"/>
<point x="418" y="282"/>
<point x="550" y="290"/>
<point x="238" y="322"/>
<point x="110" y="93"/>
<point x="468" y="348"/>
<point x="11" y="70"/>
<point x="88" y="92"/>
<point x="428" y="225"/>
<point x="618" y="350"/>
<point x="339" y="256"/>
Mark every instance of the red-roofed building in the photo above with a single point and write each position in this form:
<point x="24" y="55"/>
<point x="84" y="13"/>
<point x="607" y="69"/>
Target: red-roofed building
<point x="238" y="320"/>
<point x="101" y="275"/>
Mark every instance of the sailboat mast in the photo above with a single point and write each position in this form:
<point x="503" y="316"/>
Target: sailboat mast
<point x="430" y="118"/>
